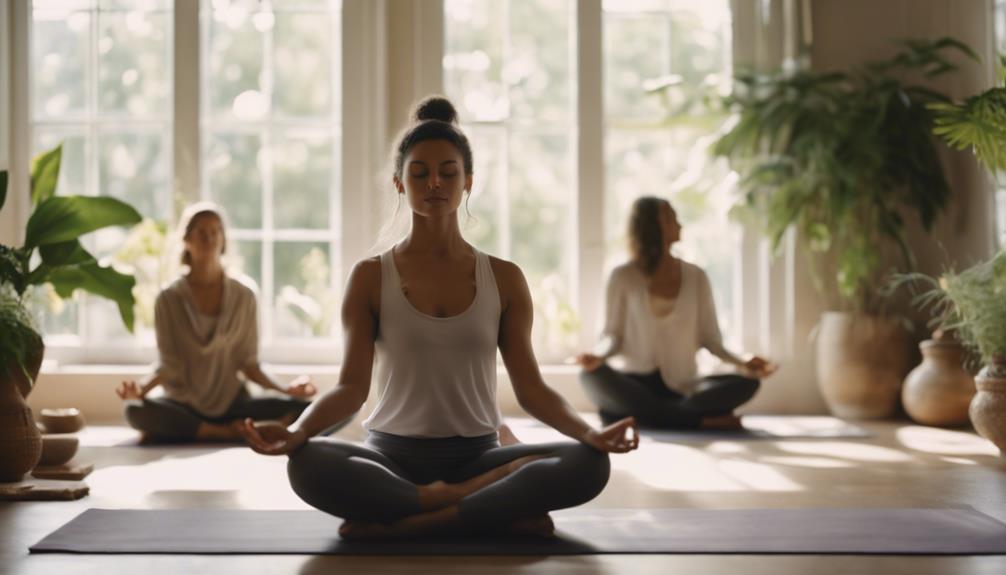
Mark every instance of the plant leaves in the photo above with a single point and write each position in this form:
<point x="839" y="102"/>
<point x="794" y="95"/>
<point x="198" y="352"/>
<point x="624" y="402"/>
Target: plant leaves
<point x="64" y="218"/>
<point x="102" y="281"/>
<point x="65" y="254"/>
<point x="45" y="174"/>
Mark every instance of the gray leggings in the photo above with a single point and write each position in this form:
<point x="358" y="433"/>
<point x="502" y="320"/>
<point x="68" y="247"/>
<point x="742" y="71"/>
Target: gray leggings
<point x="377" y="481"/>
<point x="172" y="420"/>
<point x="653" y="404"/>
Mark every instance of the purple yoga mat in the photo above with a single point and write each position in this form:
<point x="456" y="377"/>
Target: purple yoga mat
<point x="580" y="531"/>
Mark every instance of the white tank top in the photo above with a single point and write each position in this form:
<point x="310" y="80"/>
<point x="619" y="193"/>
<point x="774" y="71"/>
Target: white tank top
<point x="436" y="377"/>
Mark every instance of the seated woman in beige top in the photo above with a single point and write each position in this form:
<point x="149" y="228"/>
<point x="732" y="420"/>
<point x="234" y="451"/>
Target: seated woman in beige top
<point x="206" y="325"/>
<point x="660" y="312"/>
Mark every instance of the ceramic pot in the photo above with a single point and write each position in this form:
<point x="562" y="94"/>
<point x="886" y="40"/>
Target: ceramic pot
<point x="20" y="439"/>
<point x="861" y="362"/>
<point x="939" y="391"/>
<point x="61" y="420"/>
<point x="58" y="448"/>
<point x="988" y="408"/>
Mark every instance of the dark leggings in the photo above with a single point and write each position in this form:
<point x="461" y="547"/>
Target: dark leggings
<point x="653" y="404"/>
<point x="377" y="481"/>
<point x="172" y="420"/>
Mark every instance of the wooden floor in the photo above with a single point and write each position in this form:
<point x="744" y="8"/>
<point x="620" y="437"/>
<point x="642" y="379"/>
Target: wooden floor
<point x="902" y="465"/>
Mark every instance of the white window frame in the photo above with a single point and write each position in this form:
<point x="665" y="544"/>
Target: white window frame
<point x="406" y="37"/>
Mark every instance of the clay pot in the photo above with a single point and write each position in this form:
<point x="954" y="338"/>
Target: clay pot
<point x="20" y="439"/>
<point x="861" y="363"/>
<point x="939" y="391"/>
<point x="58" y="448"/>
<point x="61" y="420"/>
<point x="988" y="408"/>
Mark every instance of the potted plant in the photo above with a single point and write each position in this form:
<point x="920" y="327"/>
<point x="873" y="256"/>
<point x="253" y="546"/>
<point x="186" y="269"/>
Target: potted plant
<point x="975" y="299"/>
<point x="843" y="157"/>
<point x="52" y="253"/>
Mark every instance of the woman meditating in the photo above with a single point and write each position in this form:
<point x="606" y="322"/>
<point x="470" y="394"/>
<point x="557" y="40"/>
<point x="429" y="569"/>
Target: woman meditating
<point x="207" y="332"/>
<point x="660" y="312"/>
<point x="432" y="311"/>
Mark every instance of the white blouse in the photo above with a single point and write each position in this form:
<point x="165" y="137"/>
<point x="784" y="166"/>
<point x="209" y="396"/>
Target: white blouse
<point x="645" y="342"/>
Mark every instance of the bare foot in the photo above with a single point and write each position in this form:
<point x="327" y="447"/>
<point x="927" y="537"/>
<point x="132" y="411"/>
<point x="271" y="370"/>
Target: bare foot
<point x="439" y="495"/>
<point x="534" y="526"/>
<point x="440" y="522"/>
<point x="723" y="422"/>
<point x="507" y="436"/>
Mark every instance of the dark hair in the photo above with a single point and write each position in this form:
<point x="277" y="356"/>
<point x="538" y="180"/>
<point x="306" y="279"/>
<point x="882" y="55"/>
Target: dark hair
<point x="191" y="216"/>
<point x="434" y="118"/>
<point x="646" y="242"/>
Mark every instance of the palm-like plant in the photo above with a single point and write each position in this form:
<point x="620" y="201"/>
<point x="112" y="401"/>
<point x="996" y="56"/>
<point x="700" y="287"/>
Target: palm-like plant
<point x="52" y="253"/>
<point x="841" y="156"/>
<point x="978" y="123"/>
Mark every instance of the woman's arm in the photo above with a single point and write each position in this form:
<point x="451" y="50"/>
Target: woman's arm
<point x="359" y="319"/>
<point x="533" y="394"/>
<point x="614" y="326"/>
<point x="301" y="386"/>
<point x="712" y="339"/>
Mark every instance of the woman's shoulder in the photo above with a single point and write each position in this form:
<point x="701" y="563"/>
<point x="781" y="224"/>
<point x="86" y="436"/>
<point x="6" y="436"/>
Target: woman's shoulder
<point x="689" y="269"/>
<point x="505" y="271"/>
<point x="626" y="273"/>
<point x="242" y="286"/>
<point x="174" y="291"/>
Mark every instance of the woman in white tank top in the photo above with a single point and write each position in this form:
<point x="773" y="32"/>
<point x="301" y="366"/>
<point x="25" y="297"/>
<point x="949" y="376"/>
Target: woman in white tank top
<point x="432" y="312"/>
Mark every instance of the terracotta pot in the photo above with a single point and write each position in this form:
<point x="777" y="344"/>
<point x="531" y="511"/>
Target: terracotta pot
<point x="988" y="408"/>
<point x="20" y="439"/>
<point x="861" y="363"/>
<point x="61" y="420"/>
<point x="939" y="391"/>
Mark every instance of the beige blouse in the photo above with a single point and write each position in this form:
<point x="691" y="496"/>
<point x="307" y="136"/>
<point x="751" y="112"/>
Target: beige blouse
<point x="645" y="342"/>
<point x="199" y="363"/>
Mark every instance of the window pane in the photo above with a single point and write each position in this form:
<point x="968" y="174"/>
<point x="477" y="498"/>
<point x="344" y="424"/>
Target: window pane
<point x="488" y="202"/>
<point x="235" y="181"/>
<point x="133" y="71"/>
<point x="305" y="296"/>
<point x="60" y="43"/>
<point x="134" y="168"/>
<point x="302" y="171"/>
<point x="235" y="64"/>
<point x="246" y="257"/>
<point x="636" y="49"/>
<point x="473" y="59"/>
<point x="537" y="64"/>
<point x="303" y="81"/>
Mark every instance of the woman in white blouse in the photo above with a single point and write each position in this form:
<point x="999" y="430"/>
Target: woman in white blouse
<point x="206" y="326"/>
<point x="660" y="312"/>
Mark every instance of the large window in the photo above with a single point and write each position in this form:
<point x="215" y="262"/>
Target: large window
<point x="101" y="86"/>
<point x="268" y="86"/>
<point x="661" y="57"/>
<point x="253" y="119"/>
<point x="271" y="114"/>
<point x="508" y="65"/>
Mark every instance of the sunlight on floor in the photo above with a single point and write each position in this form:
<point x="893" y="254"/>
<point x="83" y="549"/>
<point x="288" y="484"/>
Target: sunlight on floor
<point x="681" y="468"/>
<point x="944" y="441"/>
<point x="846" y="450"/>
<point x="231" y="477"/>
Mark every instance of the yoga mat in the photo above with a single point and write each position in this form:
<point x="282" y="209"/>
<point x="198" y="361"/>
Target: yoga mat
<point x="958" y="531"/>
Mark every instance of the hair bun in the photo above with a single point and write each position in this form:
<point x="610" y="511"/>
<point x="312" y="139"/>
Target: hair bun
<point x="435" y="108"/>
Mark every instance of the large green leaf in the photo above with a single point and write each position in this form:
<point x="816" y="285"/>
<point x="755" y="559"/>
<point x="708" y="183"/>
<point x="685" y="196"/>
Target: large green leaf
<point x="65" y="254"/>
<point x="45" y="174"/>
<point x="3" y="188"/>
<point x="65" y="218"/>
<point x="102" y="281"/>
